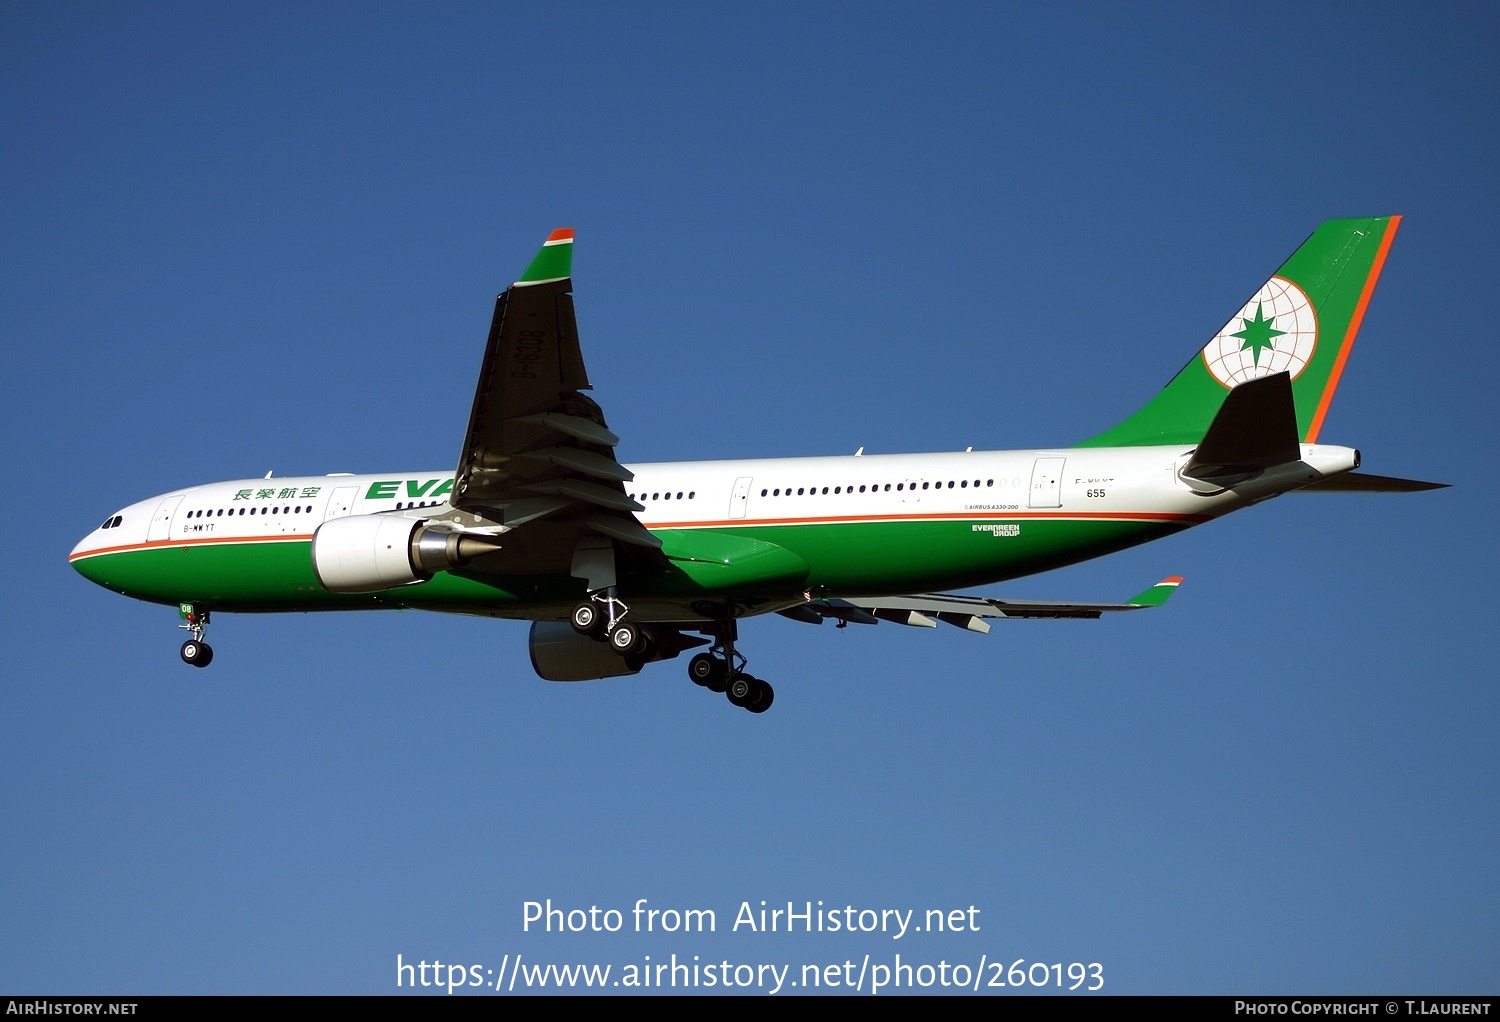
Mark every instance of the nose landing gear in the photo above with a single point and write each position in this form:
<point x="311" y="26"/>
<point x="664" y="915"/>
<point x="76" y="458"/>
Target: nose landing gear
<point x="195" y="651"/>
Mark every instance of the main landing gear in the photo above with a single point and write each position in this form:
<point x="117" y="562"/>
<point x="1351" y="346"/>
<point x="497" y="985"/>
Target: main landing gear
<point x="723" y="670"/>
<point x="195" y="651"/>
<point x="602" y="617"/>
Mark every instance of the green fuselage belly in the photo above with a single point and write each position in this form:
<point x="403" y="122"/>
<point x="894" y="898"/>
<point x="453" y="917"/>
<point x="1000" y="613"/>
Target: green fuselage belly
<point x="898" y="558"/>
<point x="848" y="559"/>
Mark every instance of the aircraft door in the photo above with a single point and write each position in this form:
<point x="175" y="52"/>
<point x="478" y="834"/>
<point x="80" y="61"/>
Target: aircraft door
<point x="341" y="503"/>
<point x="739" y="501"/>
<point x="161" y="522"/>
<point x="1046" y="482"/>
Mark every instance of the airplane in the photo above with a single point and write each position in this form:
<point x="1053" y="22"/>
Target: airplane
<point x="619" y="566"/>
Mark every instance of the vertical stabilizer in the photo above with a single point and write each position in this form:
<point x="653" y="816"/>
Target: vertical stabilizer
<point x="1302" y="322"/>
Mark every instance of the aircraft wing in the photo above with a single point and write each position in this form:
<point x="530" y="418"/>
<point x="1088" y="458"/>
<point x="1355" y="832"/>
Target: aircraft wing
<point x="537" y="454"/>
<point x="969" y="612"/>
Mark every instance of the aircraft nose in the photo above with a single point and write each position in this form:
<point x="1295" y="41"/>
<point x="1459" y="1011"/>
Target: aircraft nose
<point x="79" y="558"/>
<point x="84" y="555"/>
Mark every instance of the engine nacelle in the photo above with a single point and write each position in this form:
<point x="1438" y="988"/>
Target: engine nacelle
<point x="365" y="553"/>
<point x="371" y="553"/>
<point x="560" y="654"/>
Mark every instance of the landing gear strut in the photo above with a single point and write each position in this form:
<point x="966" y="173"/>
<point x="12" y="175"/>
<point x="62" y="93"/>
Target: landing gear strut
<point x="195" y="651"/>
<point x="599" y="615"/>
<point x="722" y="669"/>
<point x="602" y="617"/>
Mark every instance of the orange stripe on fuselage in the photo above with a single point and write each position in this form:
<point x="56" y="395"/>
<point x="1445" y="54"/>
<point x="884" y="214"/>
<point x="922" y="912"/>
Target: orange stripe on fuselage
<point x="1355" y="320"/>
<point x="202" y="541"/>
<point x="1123" y="516"/>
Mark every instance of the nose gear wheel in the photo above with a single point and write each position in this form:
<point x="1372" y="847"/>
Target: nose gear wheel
<point x="195" y="652"/>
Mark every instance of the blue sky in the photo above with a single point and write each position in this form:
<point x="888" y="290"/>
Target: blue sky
<point x="267" y="237"/>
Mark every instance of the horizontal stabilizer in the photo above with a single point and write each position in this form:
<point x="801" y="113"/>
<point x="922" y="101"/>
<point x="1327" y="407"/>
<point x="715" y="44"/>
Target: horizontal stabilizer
<point x="1359" y="482"/>
<point x="1255" y="428"/>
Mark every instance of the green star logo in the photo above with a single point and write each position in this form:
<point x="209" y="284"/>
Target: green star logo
<point x="1258" y="333"/>
<point x="1249" y="345"/>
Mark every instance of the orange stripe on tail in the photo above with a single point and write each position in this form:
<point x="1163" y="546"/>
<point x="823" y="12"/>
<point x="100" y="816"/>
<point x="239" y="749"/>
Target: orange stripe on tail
<point x="1355" y="320"/>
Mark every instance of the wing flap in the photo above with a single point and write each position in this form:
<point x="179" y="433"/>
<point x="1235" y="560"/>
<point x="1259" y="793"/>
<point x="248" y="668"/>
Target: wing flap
<point x="583" y="462"/>
<point x="968" y="612"/>
<point x="583" y="429"/>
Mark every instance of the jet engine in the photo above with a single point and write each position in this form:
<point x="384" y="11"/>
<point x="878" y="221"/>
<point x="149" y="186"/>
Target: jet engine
<point x="371" y="553"/>
<point x="558" y="653"/>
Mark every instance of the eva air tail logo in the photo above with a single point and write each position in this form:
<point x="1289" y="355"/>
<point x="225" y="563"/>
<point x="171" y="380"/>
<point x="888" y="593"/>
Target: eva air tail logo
<point x="1276" y="330"/>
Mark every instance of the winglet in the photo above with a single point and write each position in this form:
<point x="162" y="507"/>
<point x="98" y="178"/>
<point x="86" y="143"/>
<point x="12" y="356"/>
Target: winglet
<point x="1157" y="594"/>
<point x="554" y="262"/>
